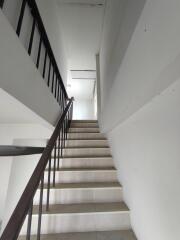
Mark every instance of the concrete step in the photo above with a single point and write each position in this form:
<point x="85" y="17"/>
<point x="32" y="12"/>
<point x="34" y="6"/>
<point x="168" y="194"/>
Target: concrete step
<point x="68" y="193"/>
<point x="86" y="136"/>
<point x="84" y="217"/>
<point x="84" y="125"/>
<point x="85" y="130"/>
<point x="86" y="152"/>
<point x="78" y="175"/>
<point x="101" y="235"/>
<point x="85" y="121"/>
<point x="88" y="162"/>
<point x="86" y="143"/>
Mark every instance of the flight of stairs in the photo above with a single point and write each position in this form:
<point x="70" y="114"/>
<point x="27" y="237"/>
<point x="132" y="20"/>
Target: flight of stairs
<point x="87" y="202"/>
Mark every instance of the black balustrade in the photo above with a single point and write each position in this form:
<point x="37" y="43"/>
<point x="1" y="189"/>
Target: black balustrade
<point x="55" y="83"/>
<point x="24" y="208"/>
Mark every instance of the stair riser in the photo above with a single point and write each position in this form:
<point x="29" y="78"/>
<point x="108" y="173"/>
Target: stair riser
<point x="86" y="136"/>
<point x="84" y="125"/>
<point x="87" y="143"/>
<point x="82" y="176"/>
<point x="85" y="121"/>
<point x="86" y="162"/>
<point x="88" y="152"/>
<point x="84" y="130"/>
<point x="58" y="223"/>
<point x="68" y="196"/>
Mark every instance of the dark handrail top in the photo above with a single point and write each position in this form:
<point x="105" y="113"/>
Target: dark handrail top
<point x="35" y="11"/>
<point x="11" y="150"/>
<point x="13" y="227"/>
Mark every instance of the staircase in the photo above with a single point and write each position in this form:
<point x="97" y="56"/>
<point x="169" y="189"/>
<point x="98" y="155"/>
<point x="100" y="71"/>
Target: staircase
<point x="87" y="201"/>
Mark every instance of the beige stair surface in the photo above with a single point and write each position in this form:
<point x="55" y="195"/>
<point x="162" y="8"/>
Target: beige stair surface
<point x="83" y="208"/>
<point x="86" y="162"/>
<point x="87" y="152"/>
<point x="102" y="235"/>
<point x="87" y="200"/>
<point x="84" y="124"/>
<point x="86" y="143"/>
<point x="67" y="193"/>
<point x="84" y="130"/>
<point x="86" y="136"/>
<point x="70" y="175"/>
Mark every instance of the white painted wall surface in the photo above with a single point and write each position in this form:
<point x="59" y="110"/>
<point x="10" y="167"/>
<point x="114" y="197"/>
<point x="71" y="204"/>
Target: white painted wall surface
<point x="15" y="172"/>
<point x="49" y="11"/>
<point x="147" y="155"/>
<point x="21" y="79"/>
<point x="119" y="22"/>
<point x="141" y="118"/>
<point x="83" y="109"/>
<point x="50" y="16"/>
<point x="5" y="169"/>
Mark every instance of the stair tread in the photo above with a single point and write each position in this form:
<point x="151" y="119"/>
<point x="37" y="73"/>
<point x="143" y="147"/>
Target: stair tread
<point x="86" y="147"/>
<point x="89" y="157"/>
<point x="83" y="208"/>
<point x="86" y="169"/>
<point x="98" y="235"/>
<point x="86" y="185"/>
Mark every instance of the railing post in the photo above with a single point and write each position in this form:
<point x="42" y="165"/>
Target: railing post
<point x="48" y="184"/>
<point x="1" y="3"/>
<point x="39" y="52"/>
<point x="21" y="17"/>
<point x="54" y="172"/>
<point x="44" y="67"/>
<point x="32" y="36"/>
<point x="28" y="236"/>
<point x="40" y="208"/>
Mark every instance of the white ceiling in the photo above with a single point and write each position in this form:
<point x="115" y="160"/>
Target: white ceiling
<point x="81" y="22"/>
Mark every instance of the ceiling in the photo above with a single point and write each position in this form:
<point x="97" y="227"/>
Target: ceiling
<point x="81" y="22"/>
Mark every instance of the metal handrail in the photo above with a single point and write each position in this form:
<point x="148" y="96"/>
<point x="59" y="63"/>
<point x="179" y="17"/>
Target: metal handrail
<point x="24" y="207"/>
<point x="51" y="70"/>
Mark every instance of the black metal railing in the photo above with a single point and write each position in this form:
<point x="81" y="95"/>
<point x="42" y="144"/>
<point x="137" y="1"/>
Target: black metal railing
<point x="52" y="152"/>
<point x="50" y="71"/>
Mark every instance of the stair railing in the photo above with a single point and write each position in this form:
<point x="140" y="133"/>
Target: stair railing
<point x="52" y="152"/>
<point x="50" y="70"/>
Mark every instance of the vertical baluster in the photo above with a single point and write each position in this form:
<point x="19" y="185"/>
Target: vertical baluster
<point x="49" y="73"/>
<point x="52" y="86"/>
<point x="64" y="129"/>
<point x="61" y="142"/>
<point x="60" y="100"/>
<point x="57" y="90"/>
<point x="58" y="151"/>
<point x="39" y="52"/>
<point x="40" y="208"/>
<point x="54" y="172"/>
<point x="28" y="236"/>
<point x="1" y="3"/>
<point x="56" y="87"/>
<point x="66" y="122"/>
<point x="18" y="30"/>
<point x="32" y="36"/>
<point x="49" y="184"/>
<point x="44" y="67"/>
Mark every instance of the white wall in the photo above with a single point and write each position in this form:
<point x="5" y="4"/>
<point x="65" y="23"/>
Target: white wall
<point x="83" y="109"/>
<point x="49" y="11"/>
<point x="119" y="23"/>
<point x="21" y="79"/>
<point x="15" y="172"/>
<point x="146" y="152"/>
<point x="50" y="16"/>
<point x="142" y="121"/>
